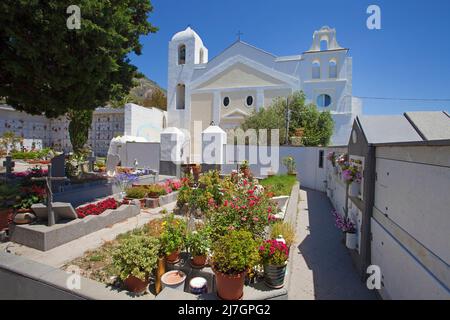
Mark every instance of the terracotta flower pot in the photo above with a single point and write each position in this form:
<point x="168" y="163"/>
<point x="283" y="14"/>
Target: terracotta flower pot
<point x="230" y="286"/>
<point x="198" y="261"/>
<point x="136" y="285"/>
<point x="174" y="257"/>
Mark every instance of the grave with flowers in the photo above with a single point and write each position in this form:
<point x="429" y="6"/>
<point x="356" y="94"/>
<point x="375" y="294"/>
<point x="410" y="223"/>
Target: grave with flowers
<point x="224" y="232"/>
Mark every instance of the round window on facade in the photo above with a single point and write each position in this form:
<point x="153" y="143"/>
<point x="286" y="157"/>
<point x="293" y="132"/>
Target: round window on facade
<point x="323" y="100"/>
<point x="226" y="102"/>
<point x="249" y="101"/>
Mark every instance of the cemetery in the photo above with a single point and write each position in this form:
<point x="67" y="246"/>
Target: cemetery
<point x="250" y="177"/>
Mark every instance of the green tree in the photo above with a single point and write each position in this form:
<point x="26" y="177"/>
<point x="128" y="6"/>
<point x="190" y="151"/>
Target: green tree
<point x="318" y="126"/>
<point x="80" y="123"/>
<point x="47" y="68"/>
<point x="157" y="99"/>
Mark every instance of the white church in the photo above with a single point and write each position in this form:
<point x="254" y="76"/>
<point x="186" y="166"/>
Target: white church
<point x="243" y="78"/>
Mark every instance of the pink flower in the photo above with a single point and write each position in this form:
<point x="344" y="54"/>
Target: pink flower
<point x="256" y="219"/>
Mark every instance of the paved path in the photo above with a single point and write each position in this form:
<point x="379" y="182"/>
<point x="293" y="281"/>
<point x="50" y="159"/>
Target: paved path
<point x="322" y="266"/>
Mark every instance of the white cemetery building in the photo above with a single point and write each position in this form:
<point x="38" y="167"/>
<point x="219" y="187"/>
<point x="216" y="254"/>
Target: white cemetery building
<point x="107" y="123"/>
<point x="243" y="78"/>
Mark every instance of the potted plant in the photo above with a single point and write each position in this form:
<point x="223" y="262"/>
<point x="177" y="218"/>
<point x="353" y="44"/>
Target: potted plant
<point x="138" y="193"/>
<point x="355" y="186"/>
<point x="232" y="255"/>
<point x="198" y="242"/>
<point x="245" y="169"/>
<point x="155" y="191"/>
<point x="274" y="255"/>
<point x="135" y="259"/>
<point x="349" y="228"/>
<point x="173" y="237"/>
<point x="289" y="162"/>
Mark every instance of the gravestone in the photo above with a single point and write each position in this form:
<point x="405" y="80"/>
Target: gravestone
<point x="91" y="161"/>
<point x="62" y="211"/>
<point x="48" y="189"/>
<point x="9" y="165"/>
<point x="58" y="170"/>
<point x="111" y="162"/>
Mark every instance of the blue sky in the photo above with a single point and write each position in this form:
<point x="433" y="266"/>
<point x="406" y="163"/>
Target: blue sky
<point x="408" y="58"/>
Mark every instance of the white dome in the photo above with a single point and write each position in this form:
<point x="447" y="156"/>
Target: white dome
<point x="186" y="35"/>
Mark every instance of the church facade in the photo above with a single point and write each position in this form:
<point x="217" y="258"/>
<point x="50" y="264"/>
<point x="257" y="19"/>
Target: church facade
<point x="243" y="78"/>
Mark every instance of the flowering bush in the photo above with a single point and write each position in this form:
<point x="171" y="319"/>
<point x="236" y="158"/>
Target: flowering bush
<point x="344" y="223"/>
<point x="249" y="210"/>
<point x="174" y="184"/>
<point x="32" y="172"/>
<point x="96" y="208"/>
<point x="274" y="252"/>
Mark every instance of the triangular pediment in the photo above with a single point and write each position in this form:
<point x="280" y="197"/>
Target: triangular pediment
<point x="241" y="72"/>
<point x="235" y="114"/>
<point x="240" y="75"/>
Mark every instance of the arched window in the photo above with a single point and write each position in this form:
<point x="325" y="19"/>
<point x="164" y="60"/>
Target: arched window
<point x="202" y="56"/>
<point x="332" y="69"/>
<point x="316" y="70"/>
<point x="164" y="122"/>
<point x="182" y="54"/>
<point x="181" y="94"/>
<point x="324" y="45"/>
<point x="323" y="100"/>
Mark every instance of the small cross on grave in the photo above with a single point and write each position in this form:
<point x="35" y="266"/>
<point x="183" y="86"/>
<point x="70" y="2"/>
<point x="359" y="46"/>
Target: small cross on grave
<point x="91" y="161"/>
<point x="9" y="165"/>
<point x="48" y="188"/>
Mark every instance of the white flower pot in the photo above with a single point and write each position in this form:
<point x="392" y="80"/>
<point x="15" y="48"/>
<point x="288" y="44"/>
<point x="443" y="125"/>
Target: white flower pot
<point x="351" y="240"/>
<point x="354" y="189"/>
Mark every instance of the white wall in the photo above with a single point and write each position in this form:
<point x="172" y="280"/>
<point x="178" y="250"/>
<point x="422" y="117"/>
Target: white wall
<point x="307" y="162"/>
<point x="144" y="122"/>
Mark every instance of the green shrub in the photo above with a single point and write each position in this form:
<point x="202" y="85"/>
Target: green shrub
<point x="136" y="192"/>
<point x="173" y="234"/>
<point x="155" y="190"/>
<point x="136" y="256"/>
<point x="235" y="252"/>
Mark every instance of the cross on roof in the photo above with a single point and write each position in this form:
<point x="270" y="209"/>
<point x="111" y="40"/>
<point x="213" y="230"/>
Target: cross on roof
<point x="239" y="34"/>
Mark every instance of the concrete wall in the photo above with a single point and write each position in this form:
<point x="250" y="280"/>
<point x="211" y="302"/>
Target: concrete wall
<point x="335" y="188"/>
<point x="411" y="221"/>
<point x="403" y="276"/>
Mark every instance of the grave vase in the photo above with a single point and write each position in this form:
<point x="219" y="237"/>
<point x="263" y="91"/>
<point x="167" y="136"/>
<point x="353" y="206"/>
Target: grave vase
<point x="354" y="189"/>
<point x="274" y="276"/>
<point x="351" y="239"/>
